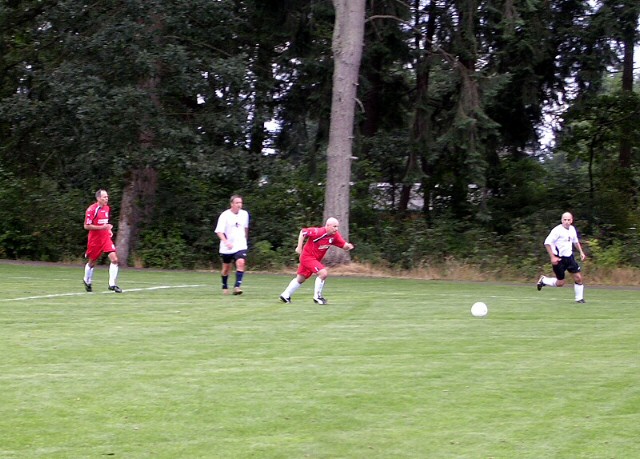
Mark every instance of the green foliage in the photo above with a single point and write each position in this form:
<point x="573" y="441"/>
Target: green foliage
<point x="39" y="221"/>
<point x="594" y="135"/>
<point x="519" y="187"/>
<point x="164" y="249"/>
<point x="263" y="257"/>
<point x="615" y="249"/>
<point x="608" y="257"/>
<point x="417" y="244"/>
<point x="90" y="93"/>
<point x="282" y="206"/>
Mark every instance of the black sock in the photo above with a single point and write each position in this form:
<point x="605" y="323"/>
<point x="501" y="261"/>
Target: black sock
<point x="239" y="275"/>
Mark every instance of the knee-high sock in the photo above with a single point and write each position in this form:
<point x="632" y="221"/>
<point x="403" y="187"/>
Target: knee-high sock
<point x="550" y="281"/>
<point x="88" y="274"/>
<point x="239" y="276"/>
<point x="579" y="291"/>
<point x="291" y="288"/>
<point x="319" y="285"/>
<point x="113" y="274"/>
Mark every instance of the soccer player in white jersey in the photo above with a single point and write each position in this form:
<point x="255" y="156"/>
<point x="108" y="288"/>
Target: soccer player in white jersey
<point x="559" y="244"/>
<point x="233" y="230"/>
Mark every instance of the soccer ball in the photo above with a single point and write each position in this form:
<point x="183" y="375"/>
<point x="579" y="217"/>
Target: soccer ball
<point x="479" y="309"/>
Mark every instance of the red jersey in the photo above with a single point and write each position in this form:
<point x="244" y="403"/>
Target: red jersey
<point x="96" y="215"/>
<point x="319" y="242"/>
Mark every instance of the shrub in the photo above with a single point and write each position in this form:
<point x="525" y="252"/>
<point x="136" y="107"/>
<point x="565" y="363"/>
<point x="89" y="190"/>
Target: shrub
<point x="165" y="250"/>
<point x="263" y="257"/>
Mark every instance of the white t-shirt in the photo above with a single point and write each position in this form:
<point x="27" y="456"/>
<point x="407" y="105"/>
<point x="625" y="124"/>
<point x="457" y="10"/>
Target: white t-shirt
<point x="561" y="240"/>
<point x="234" y="227"/>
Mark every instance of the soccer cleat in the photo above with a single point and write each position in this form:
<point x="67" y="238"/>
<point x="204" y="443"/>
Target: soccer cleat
<point x="87" y="287"/>
<point x="225" y="291"/>
<point x="581" y="301"/>
<point x="115" y="289"/>
<point x="237" y="291"/>
<point x="320" y="300"/>
<point x="284" y="299"/>
<point x="540" y="284"/>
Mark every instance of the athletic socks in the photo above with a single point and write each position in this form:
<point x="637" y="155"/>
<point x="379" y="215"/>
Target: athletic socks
<point x="577" y="288"/>
<point x="291" y="288"/>
<point x="225" y="279"/>
<point x="239" y="276"/>
<point x="88" y="274"/>
<point x="319" y="285"/>
<point x="294" y="285"/>
<point x="113" y="274"/>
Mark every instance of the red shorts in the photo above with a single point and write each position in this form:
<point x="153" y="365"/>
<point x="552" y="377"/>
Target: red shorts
<point x="309" y="266"/>
<point x="97" y="248"/>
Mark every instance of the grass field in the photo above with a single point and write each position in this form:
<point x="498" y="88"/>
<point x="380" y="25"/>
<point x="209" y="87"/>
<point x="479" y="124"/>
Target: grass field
<point x="391" y="368"/>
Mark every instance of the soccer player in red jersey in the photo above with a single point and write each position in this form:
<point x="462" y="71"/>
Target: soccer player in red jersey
<point x="96" y="221"/>
<point x="318" y="242"/>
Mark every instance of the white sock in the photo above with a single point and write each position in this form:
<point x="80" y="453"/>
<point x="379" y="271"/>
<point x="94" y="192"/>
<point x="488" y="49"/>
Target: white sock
<point x="291" y="288"/>
<point x="88" y="274"/>
<point x="579" y="291"/>
<point x="550" y="281"/>
<point x="113" y="274"/>
<point x="319" y="285"/>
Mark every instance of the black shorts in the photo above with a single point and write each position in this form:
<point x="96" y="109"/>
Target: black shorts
<point x="566" y="264"/>
<point x="231" y="257"/>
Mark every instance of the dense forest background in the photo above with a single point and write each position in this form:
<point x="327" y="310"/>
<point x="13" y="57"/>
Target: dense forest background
<point x="477" y="124"/>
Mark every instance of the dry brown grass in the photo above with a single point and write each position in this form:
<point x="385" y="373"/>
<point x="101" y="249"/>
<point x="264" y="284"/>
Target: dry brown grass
<point x="613" y="276"/>
<point x="451" y="270"/>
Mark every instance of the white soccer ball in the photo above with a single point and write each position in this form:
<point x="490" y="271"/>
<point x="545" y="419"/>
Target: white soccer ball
<point x="479" y="309"/>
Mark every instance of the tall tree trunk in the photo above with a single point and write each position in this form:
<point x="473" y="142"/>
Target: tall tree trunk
<point x="136" y="206"/>
<point x="138" y="195"/>
<point x="421" y="128"/>
<point x="625" y="150"/>
<point x="627" y="85"/>
<point x="139" y="192"/>
<point x="348" y="37"/>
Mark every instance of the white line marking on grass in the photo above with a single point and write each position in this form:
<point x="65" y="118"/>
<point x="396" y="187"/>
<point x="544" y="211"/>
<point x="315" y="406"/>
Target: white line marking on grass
<point x="56" y="295"/>
<point x="64" y="279"/>
<point x="159" y="287"/>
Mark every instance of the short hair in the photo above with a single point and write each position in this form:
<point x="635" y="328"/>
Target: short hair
<point x="99" y="193"/>
<point x="234" y="197"/>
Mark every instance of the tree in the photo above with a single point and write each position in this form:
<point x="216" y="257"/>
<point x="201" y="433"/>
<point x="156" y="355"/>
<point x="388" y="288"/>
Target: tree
<point x="348" y="36"/>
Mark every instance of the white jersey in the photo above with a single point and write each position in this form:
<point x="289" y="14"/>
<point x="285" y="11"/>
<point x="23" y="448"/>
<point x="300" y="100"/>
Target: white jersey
<point x="561" y="240"/>
<point x="234" y="227"/>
